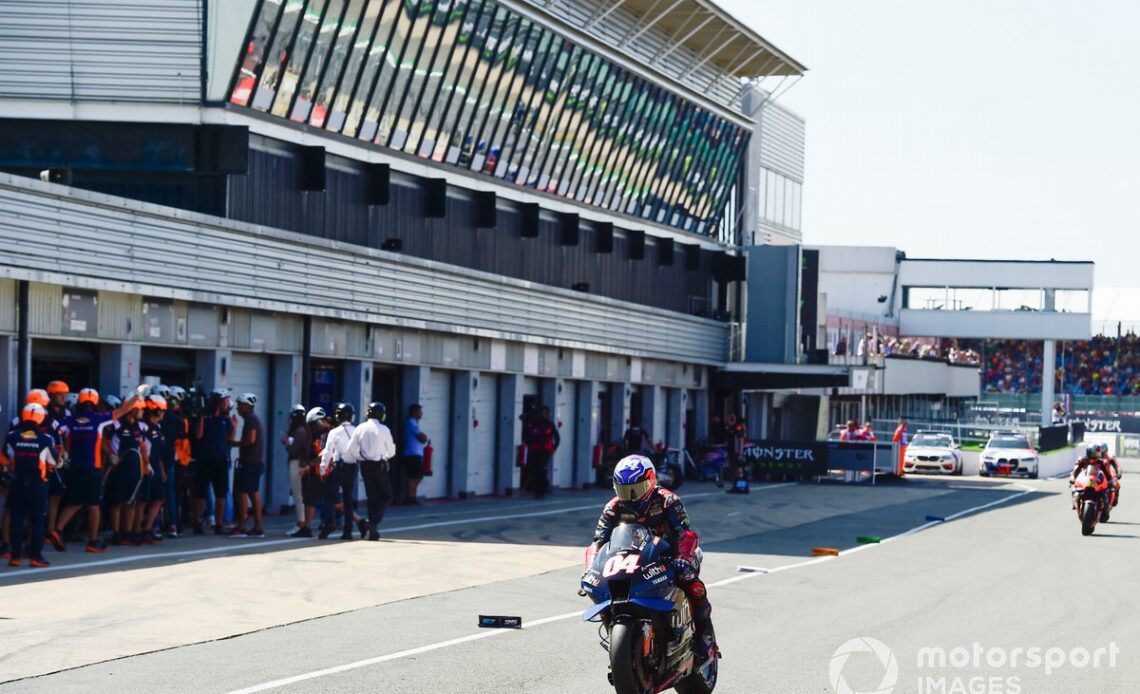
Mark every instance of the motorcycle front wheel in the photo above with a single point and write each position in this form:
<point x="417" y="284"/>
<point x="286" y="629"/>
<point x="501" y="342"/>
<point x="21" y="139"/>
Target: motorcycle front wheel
<point x="626" y="662"/>
<point x="1088" y="518"/>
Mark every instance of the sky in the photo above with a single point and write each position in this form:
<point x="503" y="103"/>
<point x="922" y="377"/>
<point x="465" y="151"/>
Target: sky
<point x="974" y="129"/>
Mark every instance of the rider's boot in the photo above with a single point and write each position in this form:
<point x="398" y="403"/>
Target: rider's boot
<point x="704" y="638"/>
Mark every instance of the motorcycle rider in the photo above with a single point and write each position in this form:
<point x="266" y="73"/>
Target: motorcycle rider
<point x="639" y="500"/>
<point x="1114" y="472"/>
<point x="1091" y="459"/>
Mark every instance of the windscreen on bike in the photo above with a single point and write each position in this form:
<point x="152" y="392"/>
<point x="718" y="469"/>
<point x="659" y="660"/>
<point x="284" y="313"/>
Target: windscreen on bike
<point x="629" y="536"/>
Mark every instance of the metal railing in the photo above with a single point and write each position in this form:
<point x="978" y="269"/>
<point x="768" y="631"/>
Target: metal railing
<point x="964" y="433"/>
<point x="1028" y="405"/>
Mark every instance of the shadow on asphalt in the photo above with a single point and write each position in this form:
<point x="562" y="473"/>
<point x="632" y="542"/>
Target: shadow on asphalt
<point x="842" y="531"/>
<point x="767" y="522"/>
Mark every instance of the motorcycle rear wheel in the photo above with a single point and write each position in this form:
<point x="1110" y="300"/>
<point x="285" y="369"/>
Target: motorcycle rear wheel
<point x="626" y="661"/>
<point x="672" y="478"/>
<point x="1088" y="518"/>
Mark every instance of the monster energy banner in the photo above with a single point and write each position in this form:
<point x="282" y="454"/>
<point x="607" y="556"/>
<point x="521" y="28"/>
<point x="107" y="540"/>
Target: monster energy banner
<point x="1108" y="424"/>
<point x="787" y="457"/>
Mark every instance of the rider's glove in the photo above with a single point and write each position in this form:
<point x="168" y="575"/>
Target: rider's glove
<point x="684" y="569"/>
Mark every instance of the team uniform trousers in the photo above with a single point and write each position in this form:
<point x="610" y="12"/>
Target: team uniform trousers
<point x="378" y="487"/>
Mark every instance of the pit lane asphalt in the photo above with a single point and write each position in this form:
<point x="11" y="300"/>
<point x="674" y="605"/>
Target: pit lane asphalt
<point x="1015" y="575"/>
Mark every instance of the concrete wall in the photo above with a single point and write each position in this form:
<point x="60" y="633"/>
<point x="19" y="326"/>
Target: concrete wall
<point x="852" y="278"/>
<point x="1013" y="325"/>
<point x="921" y="377"/>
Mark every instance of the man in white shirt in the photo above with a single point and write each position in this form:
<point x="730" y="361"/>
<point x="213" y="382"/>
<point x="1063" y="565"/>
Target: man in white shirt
<point x="338" y="468"/>
<point x="371" y="444"/>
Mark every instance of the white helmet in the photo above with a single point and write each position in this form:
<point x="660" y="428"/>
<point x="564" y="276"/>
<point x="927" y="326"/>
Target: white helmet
<point x="247" y="399"/>
<point x="315" y="415"/>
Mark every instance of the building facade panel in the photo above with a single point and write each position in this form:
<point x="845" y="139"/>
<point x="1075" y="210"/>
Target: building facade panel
<point x="268" y="270"/>
<point x="89" y="50"/>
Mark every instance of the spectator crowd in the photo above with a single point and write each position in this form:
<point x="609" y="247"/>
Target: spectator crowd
<point x="880" y="345"/>
<point x="1100" y="366"/>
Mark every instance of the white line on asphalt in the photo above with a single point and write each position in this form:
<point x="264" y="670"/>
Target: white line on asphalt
<point x="239" y="545"/>
<point x="146" y="557"/>
<point x="753" y="572"/>
<point x="777" y="569"/>
<point x="285" y="681"/>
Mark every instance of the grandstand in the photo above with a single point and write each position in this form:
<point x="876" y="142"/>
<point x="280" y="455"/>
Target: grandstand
<point x="1101" y="366"/>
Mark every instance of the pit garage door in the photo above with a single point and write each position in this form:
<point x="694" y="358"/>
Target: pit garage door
<point x="249" y="373"/>
<point x="435" y="398"/>
<point x="481" y="465"/>
<point x="565" y="415"/>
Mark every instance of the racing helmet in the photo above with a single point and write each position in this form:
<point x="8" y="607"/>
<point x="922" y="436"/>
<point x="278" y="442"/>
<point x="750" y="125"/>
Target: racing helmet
<point x="1092" y="452"/>
<point x="1103" y="449"/>
<point x="88" y="396"/>
<point x="377" y="411"/>
<point x="344" y="412"/>
<point x="37" y="396"/>
<point x="635" y="479"/>
<point x="315" y="415"/>
<point x="33" y="413"/>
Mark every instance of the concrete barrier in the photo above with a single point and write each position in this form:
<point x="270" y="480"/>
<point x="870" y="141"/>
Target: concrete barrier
<point x="1058" y="462"/>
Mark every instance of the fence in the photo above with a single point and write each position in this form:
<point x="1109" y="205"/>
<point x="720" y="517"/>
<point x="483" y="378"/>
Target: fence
<point x="1028" y="405"/>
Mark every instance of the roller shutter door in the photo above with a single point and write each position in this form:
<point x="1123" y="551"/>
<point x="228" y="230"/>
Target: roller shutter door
<point x="435" y="398"/>
<point x="481" y="466"/>
<point x="249" y="373"/>
<point x="565" y="415"/>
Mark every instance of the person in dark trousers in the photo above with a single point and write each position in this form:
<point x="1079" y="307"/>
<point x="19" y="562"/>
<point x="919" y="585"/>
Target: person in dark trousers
<point x="175" y="433"/>
<point x="57" y="415"/>
<point x="339" y="470"/>
<point x="541" y="438"/>
<point x="213" y="433"/>
<point x="312" y="486"/>
<point x="371" y="444"/>
<point x="155" y="413"/>
<point x="297" y="443"/>
<point x="636" y="440"/>
<point x="415" y="441"/>
<point x="85" y="477"/>
<point x="29" y="460"/>
<point x="123" y="446"/>
<point x="251" y="466"/>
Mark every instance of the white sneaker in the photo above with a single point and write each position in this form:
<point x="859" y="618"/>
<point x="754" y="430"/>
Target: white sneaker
<point x="294" y="532"/>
